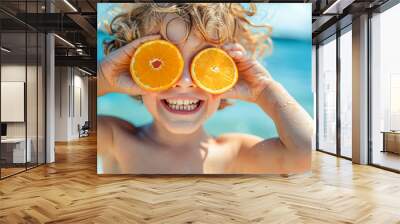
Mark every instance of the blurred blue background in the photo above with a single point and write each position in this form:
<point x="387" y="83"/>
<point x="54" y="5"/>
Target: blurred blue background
<point x="289" y="64"/>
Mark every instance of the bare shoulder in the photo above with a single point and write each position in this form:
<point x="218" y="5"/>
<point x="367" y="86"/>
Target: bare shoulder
<point x="109" y="123"/>
<point x="109" y="128"/>
<point x="110" y="132"/>
<point x="240" y="139"/>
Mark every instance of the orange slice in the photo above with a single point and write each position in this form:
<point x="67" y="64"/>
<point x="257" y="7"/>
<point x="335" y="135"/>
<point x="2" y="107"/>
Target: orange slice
<point x="156" y="65"/>
<point x="214" y="70"/>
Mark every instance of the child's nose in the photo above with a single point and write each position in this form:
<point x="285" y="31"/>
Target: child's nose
<point x="186" y="80"/>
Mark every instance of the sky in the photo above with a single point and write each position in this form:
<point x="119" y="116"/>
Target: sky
<point x="279" y="15"/>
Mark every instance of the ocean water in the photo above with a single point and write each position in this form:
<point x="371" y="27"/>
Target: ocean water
<point x="289" y="64"/>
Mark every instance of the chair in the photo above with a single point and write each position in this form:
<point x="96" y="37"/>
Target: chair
<point x="84" y="130"/>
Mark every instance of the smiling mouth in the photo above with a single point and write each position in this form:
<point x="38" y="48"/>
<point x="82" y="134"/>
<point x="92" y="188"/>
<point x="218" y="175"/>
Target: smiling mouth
<point x="182" y="106"/>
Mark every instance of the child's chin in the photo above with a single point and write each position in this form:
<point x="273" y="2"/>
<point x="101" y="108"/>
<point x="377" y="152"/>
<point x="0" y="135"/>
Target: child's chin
<point x="183" y="128"/>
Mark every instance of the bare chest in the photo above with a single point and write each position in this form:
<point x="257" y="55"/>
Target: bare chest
<point x="136" y="156"/>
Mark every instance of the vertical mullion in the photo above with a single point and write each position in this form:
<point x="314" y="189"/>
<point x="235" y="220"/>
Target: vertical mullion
<point x="46" y="3"/>
<point x="26" y="86"/>
<point x="69" y="93"/>
<point x="73" y="92"/>
<point x="37" y="90"/>
<point x="317" y="96"/>
<point x="60" y="88"/>
<point x="369" y="88"/>
<point x="0" y="96"/>
<point x="338" y="81"/>
<point x="45" y="94"/>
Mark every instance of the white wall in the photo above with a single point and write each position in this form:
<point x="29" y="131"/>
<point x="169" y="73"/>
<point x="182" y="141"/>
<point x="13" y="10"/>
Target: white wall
<point x="12" y="100"/>
<point x="80" y="110"/>
<point x="71" y="94"/>
<point x="33" y="126"/>
<point x="16" y="73"/>
<point x="61" y="103"/>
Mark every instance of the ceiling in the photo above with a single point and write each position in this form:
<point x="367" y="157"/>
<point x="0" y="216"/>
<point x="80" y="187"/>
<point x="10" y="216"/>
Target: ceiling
<point x="75" y="22"/>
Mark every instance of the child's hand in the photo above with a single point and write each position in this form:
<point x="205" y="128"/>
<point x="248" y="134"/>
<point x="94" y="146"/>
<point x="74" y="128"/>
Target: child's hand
<point x="253" y="77"/>
<point x="114" y="68"/>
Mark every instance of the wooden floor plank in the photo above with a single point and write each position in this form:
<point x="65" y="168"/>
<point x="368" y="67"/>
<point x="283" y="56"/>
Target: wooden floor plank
<point x="70" y="191"/>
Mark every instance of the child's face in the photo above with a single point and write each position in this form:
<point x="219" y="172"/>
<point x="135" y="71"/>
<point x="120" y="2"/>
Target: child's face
<point x="184" y="107"/>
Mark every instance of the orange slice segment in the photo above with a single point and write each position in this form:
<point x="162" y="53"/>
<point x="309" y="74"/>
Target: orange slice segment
<point x="214" y="70"/>
<point x="156" y="65"/>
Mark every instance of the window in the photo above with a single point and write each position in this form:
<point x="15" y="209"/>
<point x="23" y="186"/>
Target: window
<point x="327" y="96"/>
<point x="385" y="89"/>
<point x="346" y="93"/>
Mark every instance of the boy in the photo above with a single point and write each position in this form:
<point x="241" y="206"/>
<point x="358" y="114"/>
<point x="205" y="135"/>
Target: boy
<point x="176" y="143"/>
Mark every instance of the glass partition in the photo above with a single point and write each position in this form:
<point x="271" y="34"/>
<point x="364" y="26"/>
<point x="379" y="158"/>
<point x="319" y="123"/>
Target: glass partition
<point x="22" y="77"/>
<point x="327" y="96"/>
<point x="13" y="106"/>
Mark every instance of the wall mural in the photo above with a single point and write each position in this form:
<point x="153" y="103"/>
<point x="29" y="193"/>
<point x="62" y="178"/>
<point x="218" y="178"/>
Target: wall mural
<point x="204" y="88"/>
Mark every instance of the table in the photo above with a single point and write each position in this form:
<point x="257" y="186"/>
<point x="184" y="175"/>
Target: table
<point x="391" y="141"/>
<point x="16" y="147"/>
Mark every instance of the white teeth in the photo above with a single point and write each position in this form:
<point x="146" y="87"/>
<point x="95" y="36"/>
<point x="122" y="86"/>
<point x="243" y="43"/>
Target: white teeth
<point x="182" y="102"/>
<point x="183" y="105"/>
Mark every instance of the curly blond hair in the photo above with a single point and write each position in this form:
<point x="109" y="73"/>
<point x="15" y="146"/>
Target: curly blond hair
<point x="217" y="23"/>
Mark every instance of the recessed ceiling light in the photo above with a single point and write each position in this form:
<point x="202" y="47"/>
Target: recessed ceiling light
<point x="84" y="71"/>
<point x="64" y="40"/>
<point x="338" y="6"/>
<point x="5" y="50"/>
<point x="70" y="5"/>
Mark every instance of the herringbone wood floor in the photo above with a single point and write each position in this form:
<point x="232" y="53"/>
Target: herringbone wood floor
<point x="69" y="191"/>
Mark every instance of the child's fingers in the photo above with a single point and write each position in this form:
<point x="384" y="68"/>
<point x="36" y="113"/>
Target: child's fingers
<point x="126" y="52"/>
<point x="125" y="82"/>
<point x="238" y="56"/>
<point x="118" y="61"/>
<point x="233" y="46"/>
<point x="236" y="91"/>
<point x="236" y="51"/>
<point x="130" y="48"/>
<point x="229" y="94"/>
